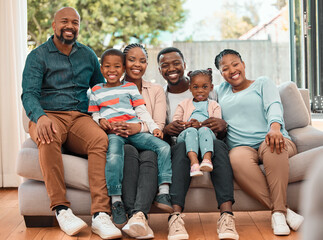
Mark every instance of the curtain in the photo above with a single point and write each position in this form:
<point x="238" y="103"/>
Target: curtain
<point x="13" y="50"/>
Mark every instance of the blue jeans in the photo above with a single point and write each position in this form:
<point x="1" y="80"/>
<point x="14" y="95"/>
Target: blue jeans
<point x="197" y="138"/>
<point x="141" y="141"/>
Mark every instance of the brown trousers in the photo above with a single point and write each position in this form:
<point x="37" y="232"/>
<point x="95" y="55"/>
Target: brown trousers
<point x="81" y="135"/>
<point x="269" y="189"/>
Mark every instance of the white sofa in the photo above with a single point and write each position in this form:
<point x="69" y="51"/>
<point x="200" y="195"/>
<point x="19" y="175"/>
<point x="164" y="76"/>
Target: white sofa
<point x="34" y="202"/>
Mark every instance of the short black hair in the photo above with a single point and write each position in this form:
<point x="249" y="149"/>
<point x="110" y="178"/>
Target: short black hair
<point x="134" y="45"/>
<point x="169" y="50"/>
<point x="112" y="52"/>
<point x="224" y="52"/>
<point x="204" y="72"/>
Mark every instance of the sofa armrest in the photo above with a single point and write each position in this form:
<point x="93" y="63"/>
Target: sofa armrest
<point x="306" y="138"/>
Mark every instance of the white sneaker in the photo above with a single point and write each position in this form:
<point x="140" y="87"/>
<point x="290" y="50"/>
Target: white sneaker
<point x="137" y="225"/>
<point x="278" y="224"/>
<point x="103" y="226"/>
<point x="176" y="228"/>
<point x="69" y="223"/>
<point x="293" y="219"/>
<point x="150" y="234"/>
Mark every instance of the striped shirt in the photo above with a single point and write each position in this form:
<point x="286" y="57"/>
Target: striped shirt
<point x="116" y="103"/>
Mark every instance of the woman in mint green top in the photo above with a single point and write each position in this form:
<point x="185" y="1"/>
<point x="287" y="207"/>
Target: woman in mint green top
<point x="258" y="106"/>
<point x="256" y="134"/>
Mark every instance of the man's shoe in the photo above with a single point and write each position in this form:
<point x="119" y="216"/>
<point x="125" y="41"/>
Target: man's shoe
<point x="176" y="228"/>
<point x="69" y="223"/>
<point x="137" y="225"/>
<point x="163" y="202"/>
<point x="279" y="225"/>
<point x="150" y="234"/>
<point x="293" y="219"/>
<point x="103" y="226"/>
<point x="226" y="227"/>
<point x="118" y="214"/>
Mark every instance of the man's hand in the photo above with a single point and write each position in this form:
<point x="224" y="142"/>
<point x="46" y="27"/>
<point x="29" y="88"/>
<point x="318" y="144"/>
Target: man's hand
<point x="175" y="128"/>
<point x="105" y="124"/>
<point x="195" y="124"/>
<point x="217" y="125"/>
<point x="45" y="129"/>
<point x="158" y="133"/>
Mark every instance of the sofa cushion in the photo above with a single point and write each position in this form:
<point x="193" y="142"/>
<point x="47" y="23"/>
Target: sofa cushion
<point x="75" y="168"/>
<point x="295" y="112"/>
<point x="301" y="162"/>
<point x="306" y="138"/>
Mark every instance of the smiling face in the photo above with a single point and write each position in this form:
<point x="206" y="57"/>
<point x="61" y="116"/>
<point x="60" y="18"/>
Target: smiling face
<point x="136" y="64"/>
<point x="200" y="86"/>
<point x="233" y="71"/>
<point x="112" y="69"/>
<point x="66" y="25"/>
<point x="171" y="67"/>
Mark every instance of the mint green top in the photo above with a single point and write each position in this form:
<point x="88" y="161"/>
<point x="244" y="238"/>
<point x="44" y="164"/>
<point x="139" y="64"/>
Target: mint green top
<point x="250" y="112"/>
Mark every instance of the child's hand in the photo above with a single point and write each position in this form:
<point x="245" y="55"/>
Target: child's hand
<point x="158" y="133"/>
<point x="105" y="124"/>
<point x="195" y="124"/>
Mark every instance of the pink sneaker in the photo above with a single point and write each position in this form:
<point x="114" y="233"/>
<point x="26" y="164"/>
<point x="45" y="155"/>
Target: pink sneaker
<point x="195" y="170"/>
<point x="206" y="165"/>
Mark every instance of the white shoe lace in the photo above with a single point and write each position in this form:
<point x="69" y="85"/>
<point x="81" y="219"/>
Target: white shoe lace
<point x="178" y="223"/>
<point x="227" y="223"/>
<point x="66" y="216"/>
<point x="104" y="220"/>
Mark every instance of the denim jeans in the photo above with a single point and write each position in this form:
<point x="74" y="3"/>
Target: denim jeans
<point x="221" y="176"/>
<point x="139" y="186"/>
<point x="196" y="139"/>
<point x="141" y="141"/>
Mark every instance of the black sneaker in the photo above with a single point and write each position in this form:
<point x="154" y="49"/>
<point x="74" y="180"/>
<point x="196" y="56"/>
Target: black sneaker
<point x="118" y="214"/>
<point x="163" y="202"/>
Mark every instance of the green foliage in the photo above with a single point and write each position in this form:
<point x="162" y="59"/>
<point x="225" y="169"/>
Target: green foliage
<point x="121" y="21"/>
<point x="237" y="19"/>
<point x="280" y="4"/>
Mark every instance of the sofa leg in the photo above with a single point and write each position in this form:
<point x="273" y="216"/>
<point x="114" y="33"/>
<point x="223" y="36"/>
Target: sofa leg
<point x="40" y="221"/>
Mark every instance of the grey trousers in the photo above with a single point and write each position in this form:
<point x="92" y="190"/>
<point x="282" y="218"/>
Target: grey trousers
<point x="139" y="186"/>
<point x="221" y="176"/>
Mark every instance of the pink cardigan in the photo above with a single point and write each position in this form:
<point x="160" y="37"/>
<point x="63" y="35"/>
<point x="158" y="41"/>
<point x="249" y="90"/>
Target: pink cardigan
<point x="185" y="109"/>
<point x="155" y="99"/>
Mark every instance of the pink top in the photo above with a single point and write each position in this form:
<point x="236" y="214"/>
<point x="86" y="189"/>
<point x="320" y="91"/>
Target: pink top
<point x="185" y="109"/>
<point x="155" y="99"/>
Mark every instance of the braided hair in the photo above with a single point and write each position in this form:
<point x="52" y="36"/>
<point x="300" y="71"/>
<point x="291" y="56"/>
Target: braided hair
<point x="134" y="45"/>
<point x="207" y="72"/>
<point x="224" y="52"/>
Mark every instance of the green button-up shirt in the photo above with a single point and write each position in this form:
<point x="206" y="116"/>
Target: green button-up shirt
<point x="57" y="82"/>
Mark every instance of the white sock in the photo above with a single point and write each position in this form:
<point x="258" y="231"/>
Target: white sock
<point x="116" y="198"/>
<point x="163" y="189"/>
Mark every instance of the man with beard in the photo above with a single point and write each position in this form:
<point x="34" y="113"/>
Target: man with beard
<point x="56" y="78"/>
<point x="171" y="66"/>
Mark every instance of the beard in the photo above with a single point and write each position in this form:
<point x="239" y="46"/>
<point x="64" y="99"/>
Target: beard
<point x="64" y="40"/>
<point x="174" y="83"/>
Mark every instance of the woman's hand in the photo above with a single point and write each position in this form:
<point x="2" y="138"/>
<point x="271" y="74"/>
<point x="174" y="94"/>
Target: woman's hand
<point x="158" y="133"/>
<point x="275" y="138"/>
<point x="125" y="129"/>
